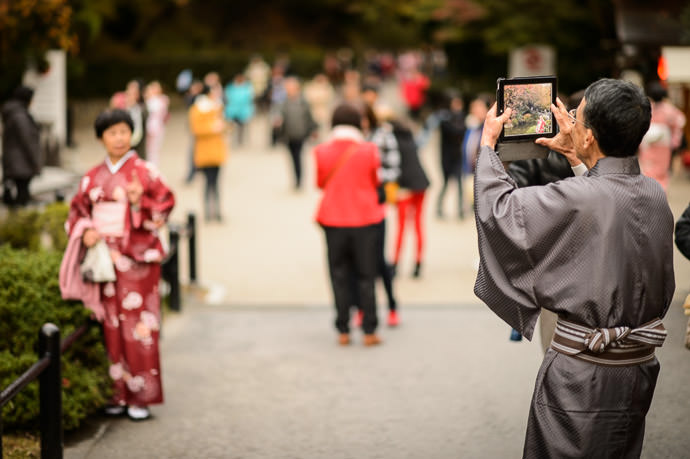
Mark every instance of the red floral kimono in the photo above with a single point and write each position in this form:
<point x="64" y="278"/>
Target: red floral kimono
<point x="132" y="303"/>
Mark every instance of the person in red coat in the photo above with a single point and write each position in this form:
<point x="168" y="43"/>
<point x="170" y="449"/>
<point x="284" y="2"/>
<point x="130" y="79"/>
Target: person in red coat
<point x="349" y="212"/>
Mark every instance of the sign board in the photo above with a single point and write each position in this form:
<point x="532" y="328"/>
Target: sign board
<point x="677" y="60"/>
<point x="49" y="104"/>
<point x="532" y="60"/>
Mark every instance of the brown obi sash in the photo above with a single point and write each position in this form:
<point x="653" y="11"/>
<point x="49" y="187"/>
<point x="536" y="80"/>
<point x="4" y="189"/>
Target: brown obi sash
<point x="617" y="346"/>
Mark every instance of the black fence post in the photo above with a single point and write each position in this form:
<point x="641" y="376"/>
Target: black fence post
<point x="50" y="390"/>
<point x="191" y="238"/>
<point x="173" y="270"/>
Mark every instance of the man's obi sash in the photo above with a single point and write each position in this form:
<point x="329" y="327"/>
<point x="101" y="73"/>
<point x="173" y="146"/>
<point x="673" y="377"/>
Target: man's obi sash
<point x="618" y="346"/>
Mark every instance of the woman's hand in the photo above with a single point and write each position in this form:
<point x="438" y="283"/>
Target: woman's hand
<point x="90" y="237"/>
<point x="134" y="190"/>
<point x="493" y="125"/>
<point x="563" y="142"/>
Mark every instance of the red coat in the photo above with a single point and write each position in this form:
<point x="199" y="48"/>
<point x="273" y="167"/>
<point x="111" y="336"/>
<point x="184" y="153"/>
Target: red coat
<point x="349" y="198"/>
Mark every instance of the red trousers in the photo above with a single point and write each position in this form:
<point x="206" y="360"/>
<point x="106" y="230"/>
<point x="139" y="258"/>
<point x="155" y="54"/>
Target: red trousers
<point x="407" y="205"/>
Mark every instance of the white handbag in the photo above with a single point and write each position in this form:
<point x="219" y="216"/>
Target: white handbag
<point x="97" y="265"/>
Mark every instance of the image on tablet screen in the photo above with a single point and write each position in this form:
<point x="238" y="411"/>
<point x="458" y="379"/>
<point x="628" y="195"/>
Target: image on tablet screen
<point x="531" y="105"/>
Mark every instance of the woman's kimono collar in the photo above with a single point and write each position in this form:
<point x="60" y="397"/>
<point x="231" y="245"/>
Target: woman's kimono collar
<point x="610" y="165"/>
<point x="113" y="168"/>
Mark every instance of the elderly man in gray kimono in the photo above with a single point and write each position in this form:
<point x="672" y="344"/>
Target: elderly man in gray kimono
<point x="598" y="251"/>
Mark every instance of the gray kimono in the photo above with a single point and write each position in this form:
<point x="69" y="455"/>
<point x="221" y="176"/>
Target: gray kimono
<point x="597" y="250"/>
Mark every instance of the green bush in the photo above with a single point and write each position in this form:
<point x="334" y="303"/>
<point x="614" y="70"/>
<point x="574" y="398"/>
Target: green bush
<point x="34" y="229"/>
<point x="30" y="297"/>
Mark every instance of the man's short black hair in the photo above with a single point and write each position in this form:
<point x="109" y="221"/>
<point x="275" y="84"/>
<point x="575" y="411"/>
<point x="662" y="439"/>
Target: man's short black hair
<point x="347" y="115"/>
<point x="111" y="117"/>
<point x="23" y="94"/>
<point x="618" y="112"/>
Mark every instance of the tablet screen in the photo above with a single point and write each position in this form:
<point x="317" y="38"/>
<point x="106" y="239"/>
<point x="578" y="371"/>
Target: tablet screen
<point x="531" y="106"/>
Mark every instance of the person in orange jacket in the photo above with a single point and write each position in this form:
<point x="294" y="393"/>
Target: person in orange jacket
<point x="210" y="150"/>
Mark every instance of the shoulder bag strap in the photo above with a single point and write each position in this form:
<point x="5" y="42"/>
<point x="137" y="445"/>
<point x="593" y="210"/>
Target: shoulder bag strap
<point x="342" y="160"/>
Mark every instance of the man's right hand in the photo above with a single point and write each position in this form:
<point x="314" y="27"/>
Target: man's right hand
<point x="563" y="142"/>
<point x="90" y="237"/>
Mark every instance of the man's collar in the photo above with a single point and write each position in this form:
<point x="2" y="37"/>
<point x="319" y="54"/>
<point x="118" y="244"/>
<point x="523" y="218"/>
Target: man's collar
<point x="113" y="168"/>
<point x="610" y="165"/>
<point x="343" y="132"/>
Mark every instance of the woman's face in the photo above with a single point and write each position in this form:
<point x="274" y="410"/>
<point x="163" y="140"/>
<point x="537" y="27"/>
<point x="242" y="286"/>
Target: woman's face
<point x="479" y="110"/>
<point x="117" y="140"/>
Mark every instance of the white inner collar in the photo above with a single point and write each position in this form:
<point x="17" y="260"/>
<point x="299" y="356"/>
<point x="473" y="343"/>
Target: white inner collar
<point x="113" y="168"/>
<point x="347" y="132"/>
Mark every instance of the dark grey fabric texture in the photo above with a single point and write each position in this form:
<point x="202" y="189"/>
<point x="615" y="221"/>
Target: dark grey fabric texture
<point x="597" y="250"/>
<point x="21" y="151"/>
<point x="531" y="172"/>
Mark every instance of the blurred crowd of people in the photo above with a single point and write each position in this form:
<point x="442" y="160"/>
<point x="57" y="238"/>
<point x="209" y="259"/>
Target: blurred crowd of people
<point x="403" y="103"/>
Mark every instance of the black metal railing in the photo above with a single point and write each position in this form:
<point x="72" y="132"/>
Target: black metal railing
<point x="170" y="268"/>
<point x="47" y="371"/>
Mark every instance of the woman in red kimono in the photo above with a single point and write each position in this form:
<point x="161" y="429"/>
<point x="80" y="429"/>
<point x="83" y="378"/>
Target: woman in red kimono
<point x="124" y="202"/>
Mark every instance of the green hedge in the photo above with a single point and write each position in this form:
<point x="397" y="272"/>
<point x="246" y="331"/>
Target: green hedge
<point x="30" y="297"/>
<point x="36" y="229"/>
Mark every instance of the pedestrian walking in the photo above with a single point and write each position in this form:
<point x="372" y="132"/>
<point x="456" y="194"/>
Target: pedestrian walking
<point x="276" y="96"/>
<point x="413" y="183"/>
<point x="381" y="134"/>
<point x="413" y="88"/>
<point x="258" y="72"/>
<point x="349" y="213"/>
<point x="239" y="104"/>
<point x="296" y="124"/>
<point x="474" y="124"/>
<point x="320" y="96"/>
<point x="21" y="151"/>
<point x="190" y="96"/>
<point x="213" y="81"/>
<point x="665" y="135"/>
<point x="120" y="205"/>
<point x="210" y="149"/>
<point x="157" y="105"/>
<point x="574" y="247"/>
<point x="452" y="132"/>
<point x="136" y="107"/>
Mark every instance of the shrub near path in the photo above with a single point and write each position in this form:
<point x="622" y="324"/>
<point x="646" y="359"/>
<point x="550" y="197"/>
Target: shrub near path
<point x="30" y="297"/>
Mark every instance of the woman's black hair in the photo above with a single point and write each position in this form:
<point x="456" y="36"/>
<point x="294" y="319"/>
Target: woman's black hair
<point x="618" y="112"/>
<point x="111" y="117"/>
<point x="346" y="115"/>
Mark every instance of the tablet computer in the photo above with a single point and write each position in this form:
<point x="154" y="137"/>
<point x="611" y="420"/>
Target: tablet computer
<point x="530" y="99"/>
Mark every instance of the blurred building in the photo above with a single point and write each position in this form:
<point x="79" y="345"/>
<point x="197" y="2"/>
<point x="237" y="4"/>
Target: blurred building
<point x="650" y="33"/>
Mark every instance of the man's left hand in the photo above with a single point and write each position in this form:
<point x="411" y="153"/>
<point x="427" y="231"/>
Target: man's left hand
<point x="563" y="142"/>
<point x="493" y="125"/>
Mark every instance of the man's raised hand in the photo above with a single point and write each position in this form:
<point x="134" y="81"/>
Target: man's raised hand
<point x="563" y="142"/>
<point x="493" y="125"/>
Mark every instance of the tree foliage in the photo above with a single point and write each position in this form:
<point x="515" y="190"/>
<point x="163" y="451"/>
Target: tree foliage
<point x="28" y="28"/>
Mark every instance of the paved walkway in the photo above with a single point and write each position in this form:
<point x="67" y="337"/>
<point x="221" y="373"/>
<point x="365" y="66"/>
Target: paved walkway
<point x="251" y="370"/>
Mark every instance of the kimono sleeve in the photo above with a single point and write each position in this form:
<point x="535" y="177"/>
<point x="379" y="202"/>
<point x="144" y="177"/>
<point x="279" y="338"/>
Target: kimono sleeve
<point x="505" y="278"/>
<point x="157" y="201"/>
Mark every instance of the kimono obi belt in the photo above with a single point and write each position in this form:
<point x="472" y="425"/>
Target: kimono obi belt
<point x="618" y="346"/>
